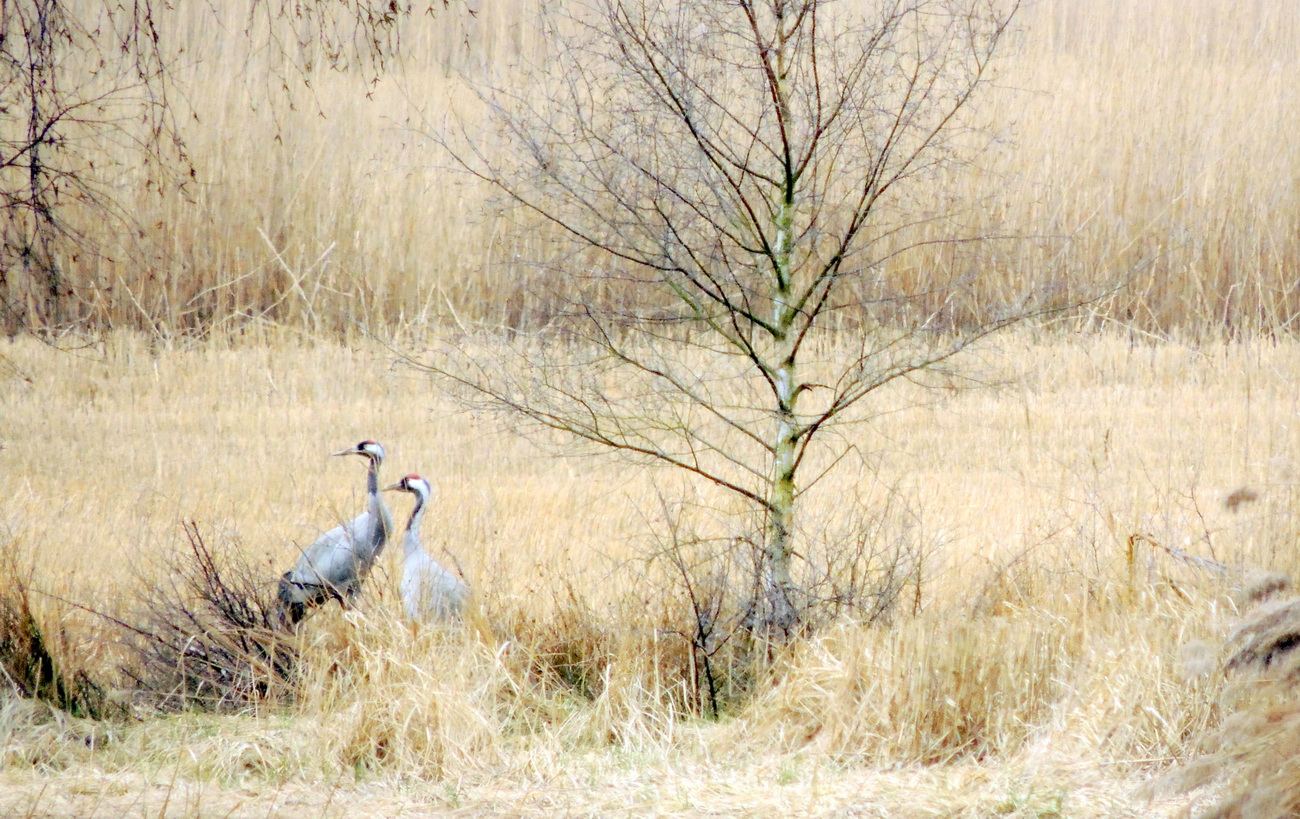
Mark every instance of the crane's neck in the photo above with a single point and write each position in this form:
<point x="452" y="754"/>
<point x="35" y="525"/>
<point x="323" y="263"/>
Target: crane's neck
<point x="378" y="511"/>
<point x="412" y="543"/>
<point x="372" y="480"/>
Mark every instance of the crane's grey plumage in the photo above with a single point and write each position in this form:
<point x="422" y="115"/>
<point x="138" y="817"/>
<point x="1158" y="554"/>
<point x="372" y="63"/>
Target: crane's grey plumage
<point x="429" y="592"/>
<point x="334" y="566"/>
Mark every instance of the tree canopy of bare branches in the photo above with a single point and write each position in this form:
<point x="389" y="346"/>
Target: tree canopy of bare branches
<point x="738" y="173"/>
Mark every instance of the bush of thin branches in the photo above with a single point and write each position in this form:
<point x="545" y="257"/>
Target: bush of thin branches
<point x="211" y="635"/>
<point x="713" y="593"/>
<point x="28" y="661"/>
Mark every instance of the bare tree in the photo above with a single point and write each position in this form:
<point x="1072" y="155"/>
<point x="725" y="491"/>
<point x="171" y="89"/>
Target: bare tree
<point x="738" y="173"/>
<point x="74" y="78"/>
<point x="88" y="100"/>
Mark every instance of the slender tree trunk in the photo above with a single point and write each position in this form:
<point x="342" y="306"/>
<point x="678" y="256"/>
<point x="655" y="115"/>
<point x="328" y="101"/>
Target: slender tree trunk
<point x="780" y="523"/>
<point x="782" y="498"/>
<point x="38" y="251"/>
<point x="784" y="611"/>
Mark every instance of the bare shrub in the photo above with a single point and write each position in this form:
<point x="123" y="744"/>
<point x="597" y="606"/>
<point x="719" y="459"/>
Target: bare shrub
<point x="27" y="658"/>
<point x="212" y="635"/>
<point x="714" y="588"/>
<point x="872" y="564"/>
<point x="711" y="590"/>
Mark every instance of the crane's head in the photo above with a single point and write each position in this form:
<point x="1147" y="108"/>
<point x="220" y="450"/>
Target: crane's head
<point x="369" y="449"/>
<point x="411" y="483"/>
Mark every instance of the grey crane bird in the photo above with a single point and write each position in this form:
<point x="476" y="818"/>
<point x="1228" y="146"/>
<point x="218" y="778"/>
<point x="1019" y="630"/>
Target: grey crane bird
<point x="334" y="566"/>
<point x="429" y="592"/>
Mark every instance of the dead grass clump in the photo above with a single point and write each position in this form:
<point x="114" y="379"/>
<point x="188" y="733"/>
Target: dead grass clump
<point x="27" y="657"/>
<point x="1252" y="758"/>
<point x="577" y="647"/>
<point x="571" y="648"/>
<point x="212" y="635"/>
<point x="36" y="734"/>
<point x="642" y="700"/>
<point x="627" y="673"/>
<point x="1239" y="497"/>
<point x="1251" y="754"/>
<point x="1260" y="753"/>
<point x="387" y="697"/>
<point x="1259" y="586"/>
<point x="383" y="697"/>
<point x="1142" y="693"/>
<point x="930" y="690"/>
<point x="1266" y="639"/>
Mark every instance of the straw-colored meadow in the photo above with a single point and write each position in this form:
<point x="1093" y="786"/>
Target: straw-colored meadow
<point x="1092" y="520"/>
<point x="1044" y="671"/>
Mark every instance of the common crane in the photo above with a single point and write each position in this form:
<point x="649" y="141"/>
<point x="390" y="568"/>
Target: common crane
<point x="334" y="566"/>
<point x="429" y="592"/>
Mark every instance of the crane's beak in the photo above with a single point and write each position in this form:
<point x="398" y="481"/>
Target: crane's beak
<point x="350" y="451"/>
<point x="397" y="487"/>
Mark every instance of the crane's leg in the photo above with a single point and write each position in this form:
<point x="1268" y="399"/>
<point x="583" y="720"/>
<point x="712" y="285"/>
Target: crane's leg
<point x="347" y="600"/>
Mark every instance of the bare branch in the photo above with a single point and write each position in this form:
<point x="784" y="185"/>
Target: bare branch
<point x="732" y="167"/>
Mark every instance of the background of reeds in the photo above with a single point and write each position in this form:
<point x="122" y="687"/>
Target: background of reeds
<point x="1151" y="144"/>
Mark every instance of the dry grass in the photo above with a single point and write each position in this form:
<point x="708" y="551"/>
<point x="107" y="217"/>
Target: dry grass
<point x="1150" y="145"/>
<point x="1083" y="538"/>
<point x="1042" y="671"/>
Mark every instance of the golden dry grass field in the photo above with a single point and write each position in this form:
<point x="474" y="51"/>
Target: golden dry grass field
<point x="1060" y="650"/>
<point x="1046" y="672"/>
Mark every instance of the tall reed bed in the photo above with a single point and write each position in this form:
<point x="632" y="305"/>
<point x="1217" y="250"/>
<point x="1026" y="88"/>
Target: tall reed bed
<point x="1147" y="148"/>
